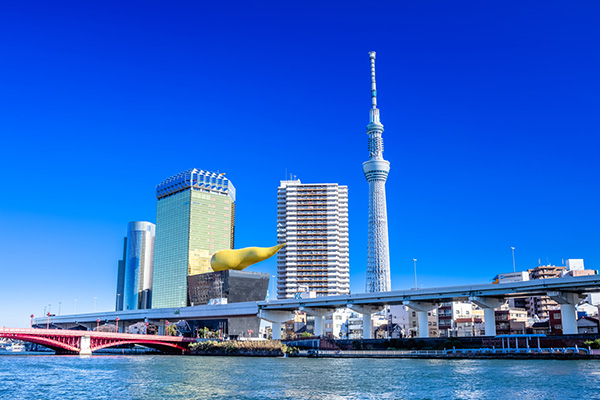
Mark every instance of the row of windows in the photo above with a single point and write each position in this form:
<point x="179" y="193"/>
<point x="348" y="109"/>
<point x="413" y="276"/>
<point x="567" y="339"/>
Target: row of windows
<point x="312" y="273"/>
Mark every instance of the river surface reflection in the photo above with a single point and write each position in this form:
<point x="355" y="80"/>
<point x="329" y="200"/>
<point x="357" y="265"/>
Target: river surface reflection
<point x="189" y="377"/>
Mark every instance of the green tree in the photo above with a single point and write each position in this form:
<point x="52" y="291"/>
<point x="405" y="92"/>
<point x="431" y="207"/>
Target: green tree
<point x="172" y="330"/>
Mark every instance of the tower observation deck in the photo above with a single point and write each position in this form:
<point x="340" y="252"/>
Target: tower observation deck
<point x="376" y="171"/>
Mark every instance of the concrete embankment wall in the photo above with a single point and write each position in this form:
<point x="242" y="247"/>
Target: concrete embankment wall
<point x="463" y="342"/>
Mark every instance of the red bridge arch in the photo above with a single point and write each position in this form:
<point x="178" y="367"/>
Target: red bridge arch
<point x="70" y="342"/>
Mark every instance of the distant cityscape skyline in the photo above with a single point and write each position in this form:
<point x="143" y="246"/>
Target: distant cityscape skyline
<point x="490" y="114"/>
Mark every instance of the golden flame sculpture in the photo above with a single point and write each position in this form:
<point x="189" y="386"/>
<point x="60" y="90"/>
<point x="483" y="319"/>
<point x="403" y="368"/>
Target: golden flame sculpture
<point x="240" y="259"/>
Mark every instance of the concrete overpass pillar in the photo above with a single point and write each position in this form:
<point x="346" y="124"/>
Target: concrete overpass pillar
<point x="276" y="318"/>
<point x="367" y="312"/>
<point x="422" y="308"/>
<point x="489" y="305"/>
<point x="85" y="348"/>
<point x="568" y="313"/>
<point x="319" y="314"/>
<point x="319" y="326"/>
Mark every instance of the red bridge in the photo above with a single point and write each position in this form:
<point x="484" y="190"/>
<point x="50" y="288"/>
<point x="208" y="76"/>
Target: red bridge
<point x="86" y="342"/>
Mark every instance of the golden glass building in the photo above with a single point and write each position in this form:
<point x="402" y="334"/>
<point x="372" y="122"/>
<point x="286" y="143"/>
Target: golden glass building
<point x="195" y="218"/>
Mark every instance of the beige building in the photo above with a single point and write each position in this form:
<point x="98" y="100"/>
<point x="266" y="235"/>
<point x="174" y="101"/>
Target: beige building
<point x="542" y="305"/>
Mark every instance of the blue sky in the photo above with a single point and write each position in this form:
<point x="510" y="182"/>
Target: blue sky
<point x="490" y="113"/>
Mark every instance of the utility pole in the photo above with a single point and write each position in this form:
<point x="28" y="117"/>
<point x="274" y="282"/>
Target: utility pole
<point x="415" y="262"/>
<point x="513" y="255"/>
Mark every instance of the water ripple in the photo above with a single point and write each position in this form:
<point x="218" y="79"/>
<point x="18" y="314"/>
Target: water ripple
<point x="179" y="377"/>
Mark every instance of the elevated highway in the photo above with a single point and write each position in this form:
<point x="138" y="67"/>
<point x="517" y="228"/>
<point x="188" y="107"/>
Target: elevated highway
<point x="567" y="291"/>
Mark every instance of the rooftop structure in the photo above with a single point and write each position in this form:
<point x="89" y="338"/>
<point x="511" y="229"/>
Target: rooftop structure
<point x="205" y="181"/>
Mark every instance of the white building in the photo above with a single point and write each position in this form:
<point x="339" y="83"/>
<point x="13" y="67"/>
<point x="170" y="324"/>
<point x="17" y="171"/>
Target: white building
<point x="401" y="321"/>
<point x="574" y="264"/>
<point x="335" y="323"/>
<point x="520" y="276"/>
<point x="354" y="326"/>
<point x="312" y="219"/>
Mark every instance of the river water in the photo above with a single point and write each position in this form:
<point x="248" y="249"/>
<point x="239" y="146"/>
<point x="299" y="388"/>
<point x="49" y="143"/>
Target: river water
<point x="195" y="377"/>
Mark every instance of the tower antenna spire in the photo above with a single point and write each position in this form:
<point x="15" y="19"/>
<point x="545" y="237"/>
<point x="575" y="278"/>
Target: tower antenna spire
<point x="373" y="83"/>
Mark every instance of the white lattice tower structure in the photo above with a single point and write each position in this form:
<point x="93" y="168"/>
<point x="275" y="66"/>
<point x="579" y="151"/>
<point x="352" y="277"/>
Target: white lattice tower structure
<point x="376" y="171"/>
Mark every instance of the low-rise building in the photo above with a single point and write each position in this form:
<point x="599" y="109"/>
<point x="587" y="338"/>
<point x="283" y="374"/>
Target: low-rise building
<point x="540" y="306"/>
<point x="448" y="313"/>
<point x="292" y="327"/>
<point x="401" y="321"/>
<point x="467" y="327"/>
<point x="555" y="322"/>
<point x="510" y="320"/>
<point x="588" y="325"/>
<point x="354" y="326"/>
<point x="335" y="322"/>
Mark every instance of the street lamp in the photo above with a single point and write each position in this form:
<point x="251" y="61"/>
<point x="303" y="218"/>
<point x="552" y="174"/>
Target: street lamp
<point x="166" y="327"/>
<point x="97" y="324"/>
<point x="117" y="325"/>
<point x="48" y="323"/>
<point x="31" y="325"/>
<point x="513" y="254"/>
<point x="415" y="263"/>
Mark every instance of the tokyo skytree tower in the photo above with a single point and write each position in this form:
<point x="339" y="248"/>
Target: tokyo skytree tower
<point x="376" y="171"/>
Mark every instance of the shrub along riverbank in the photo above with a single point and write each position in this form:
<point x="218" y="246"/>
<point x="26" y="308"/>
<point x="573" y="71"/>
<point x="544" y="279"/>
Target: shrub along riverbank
<point x="262" y="348"/>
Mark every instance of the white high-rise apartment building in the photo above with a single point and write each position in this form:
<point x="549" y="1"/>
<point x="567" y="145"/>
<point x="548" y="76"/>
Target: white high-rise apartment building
<point x="312" y="219"/>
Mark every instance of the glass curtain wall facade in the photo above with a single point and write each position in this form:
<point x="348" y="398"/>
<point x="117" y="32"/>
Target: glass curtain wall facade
<point x="195" y="218"/>
<point x="313" y="220"/>
<point x="121" y="279"/>
<point x="139" y="264"/>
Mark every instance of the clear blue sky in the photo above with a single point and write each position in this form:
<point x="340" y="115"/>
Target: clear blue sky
<point x="491" y="113"/>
